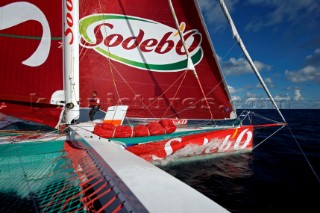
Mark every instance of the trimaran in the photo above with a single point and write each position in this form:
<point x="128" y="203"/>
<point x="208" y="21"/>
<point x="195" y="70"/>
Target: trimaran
<point x="152" y="62"/>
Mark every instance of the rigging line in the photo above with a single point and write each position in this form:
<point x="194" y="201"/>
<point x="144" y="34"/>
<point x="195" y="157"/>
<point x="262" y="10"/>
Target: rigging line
<point x="111" y="70"/>
<point x="234" y="44"/>
<point x="263" y="117"/>
<point x="110" y="66"/>
<point x="268" y="137"/>
<point x="115" y="85"/>
<point x="167" y="89"/>
<point x="192" y="105"/>
<point x="223" y="79"/>
<point x="188" y="56"/>
<point x="182" y="75"/>
<point x="89" y="56"/>
<point x="164" y="91"/>
<point x="305" y="156"/>
<point x="174" y="97"/>
<point x="132" y="90"/>
<point x="114" y="82"/>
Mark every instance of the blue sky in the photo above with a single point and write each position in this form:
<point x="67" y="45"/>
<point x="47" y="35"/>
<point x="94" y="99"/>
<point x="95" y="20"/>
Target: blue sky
<point x="283" y="39"/>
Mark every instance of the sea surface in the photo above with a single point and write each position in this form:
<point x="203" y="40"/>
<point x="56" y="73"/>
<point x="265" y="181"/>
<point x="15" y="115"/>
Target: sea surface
<point x="279" y="175"/>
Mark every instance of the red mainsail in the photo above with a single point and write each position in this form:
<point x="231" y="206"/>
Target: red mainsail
<point x="131" y="53"/>
<point x="31" y="59"/>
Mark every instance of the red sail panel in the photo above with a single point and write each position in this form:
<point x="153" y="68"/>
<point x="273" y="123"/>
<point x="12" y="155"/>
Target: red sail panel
<point x="31" y="59"/>
<point x="131" y="53"/>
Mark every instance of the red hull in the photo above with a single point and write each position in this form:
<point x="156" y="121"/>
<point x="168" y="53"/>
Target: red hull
<point x="216" y="141"/>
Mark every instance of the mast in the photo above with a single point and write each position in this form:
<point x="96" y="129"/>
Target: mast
<point x="71" y="59"/>
<point x="190" y="65"/>
<point x="239" y="40"/>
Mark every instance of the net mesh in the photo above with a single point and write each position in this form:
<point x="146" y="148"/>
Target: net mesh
<point x="54" y="177"/>
<point x="37" y="177"/>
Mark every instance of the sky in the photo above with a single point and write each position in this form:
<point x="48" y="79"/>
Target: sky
<point x="282" y="38"/>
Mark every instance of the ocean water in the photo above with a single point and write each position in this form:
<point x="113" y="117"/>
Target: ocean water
<point x="279" y="175"/>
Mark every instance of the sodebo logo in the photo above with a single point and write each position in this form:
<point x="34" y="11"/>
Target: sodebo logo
<point x="140" y="43"/>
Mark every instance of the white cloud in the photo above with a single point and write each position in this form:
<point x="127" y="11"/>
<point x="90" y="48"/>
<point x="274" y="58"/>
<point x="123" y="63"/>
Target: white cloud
<point x="231" y="89"/>
<point x="308" y="73"/>
<point x="236" y="98"/>
<point x="311" y="72"/>
<point x="268" y="81"/>
<point x="250" y="95"/>
<point x="282" y="98"/>
<point x="314" y="59"/>
<point x="297" y="95"/>
<point x="241" y="66"/>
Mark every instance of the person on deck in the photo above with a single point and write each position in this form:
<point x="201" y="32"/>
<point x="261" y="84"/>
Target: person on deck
<point x="94" y="104"/>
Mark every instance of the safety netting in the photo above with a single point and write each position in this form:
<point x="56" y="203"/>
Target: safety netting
<point x="56" y="176"/>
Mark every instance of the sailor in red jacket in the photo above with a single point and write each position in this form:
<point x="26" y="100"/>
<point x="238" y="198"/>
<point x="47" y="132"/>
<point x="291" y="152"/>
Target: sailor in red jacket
<point x="94" y="104"/>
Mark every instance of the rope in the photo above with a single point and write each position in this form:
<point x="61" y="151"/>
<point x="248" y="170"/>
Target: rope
<point x="296" y="141"/>
<point x="305" y="156"/>
<point x="199" y="101"/>
<point x="262" y="117"/>
<point x="110" y="66"/>
<point x="300" y="148"/>
<point x="132" y="90"/>
<point x="268" y="137"/>
<point x="234" y="44"/>
<point x="174" y="97"/>
<point x="166" y="91"/>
